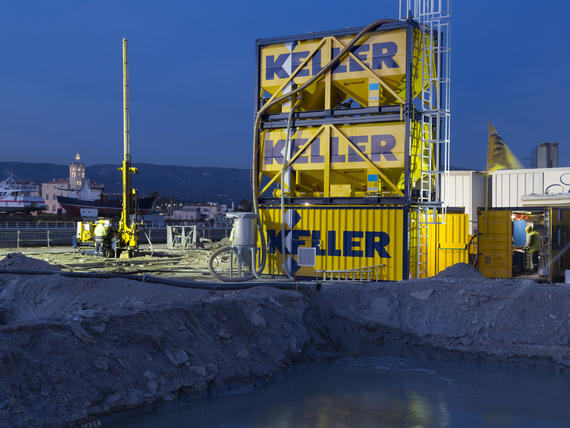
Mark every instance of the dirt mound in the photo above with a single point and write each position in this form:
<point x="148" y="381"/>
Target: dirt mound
<point x="460" y="270"/>
<point x="17" y="261"/>
<point x="225" y="242"/>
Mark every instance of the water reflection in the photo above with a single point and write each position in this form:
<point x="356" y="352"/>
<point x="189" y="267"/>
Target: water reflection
<point x="383" y="392"/>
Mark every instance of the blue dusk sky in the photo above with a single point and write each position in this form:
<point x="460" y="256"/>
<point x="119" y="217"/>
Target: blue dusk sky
<point x="192" y="75"/>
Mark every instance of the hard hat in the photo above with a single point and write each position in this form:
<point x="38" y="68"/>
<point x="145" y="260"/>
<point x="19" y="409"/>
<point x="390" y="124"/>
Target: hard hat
<point x="529" y="228"/>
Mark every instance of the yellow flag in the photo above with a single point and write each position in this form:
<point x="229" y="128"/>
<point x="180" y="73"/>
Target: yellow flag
<point x="499" y="156"/>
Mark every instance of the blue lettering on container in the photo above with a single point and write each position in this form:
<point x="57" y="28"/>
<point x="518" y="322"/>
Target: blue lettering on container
<point x="335" y="156"/>
<point x="274" y="239"/>
<point x="358" y="51"/>
<point x="296" y="60"/>
<point x="349" y="243"/>
<point x="275" y="66"/>
<point x="316" y="63"/>
<point x="331" y="244"/>
<point x="383" y="53"/>
<point x="316" y="242"/>
<point x="299" y="242"/>
<point x="375" y="243"/>
<point x="382" y="56"/>
<point x="382" y="145"/>
<point x="357" y="141"/>
<point x="338" y="68"/>
<point x="271" y="151"/>
<point x="316" y="156"/>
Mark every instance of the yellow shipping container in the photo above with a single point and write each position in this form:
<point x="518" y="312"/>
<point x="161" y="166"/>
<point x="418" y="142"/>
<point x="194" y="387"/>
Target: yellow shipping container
<point x="373" y="74"/>
<point x="501" y="242"/>
<point x="343" y="161"/>
<point x="334" y="238"/>
<point x="360" y="242"/>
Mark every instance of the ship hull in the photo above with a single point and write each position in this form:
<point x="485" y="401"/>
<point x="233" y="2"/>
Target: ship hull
<point x="80" y="208"/>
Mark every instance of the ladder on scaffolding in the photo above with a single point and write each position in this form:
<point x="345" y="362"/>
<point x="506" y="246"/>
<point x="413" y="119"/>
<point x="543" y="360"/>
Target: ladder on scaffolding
<point x="434" y="107"/>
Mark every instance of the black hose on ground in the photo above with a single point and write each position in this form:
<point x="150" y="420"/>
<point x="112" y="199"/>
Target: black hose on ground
<point x="168" y="281"/>
<point x="217" y="275"/>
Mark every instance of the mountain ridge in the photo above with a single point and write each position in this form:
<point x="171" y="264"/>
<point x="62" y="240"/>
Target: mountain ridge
<point x="186" y="183"/>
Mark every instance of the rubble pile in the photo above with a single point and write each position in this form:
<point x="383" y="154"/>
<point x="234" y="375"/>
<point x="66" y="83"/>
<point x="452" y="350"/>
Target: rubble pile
<point x="73" y="350"/>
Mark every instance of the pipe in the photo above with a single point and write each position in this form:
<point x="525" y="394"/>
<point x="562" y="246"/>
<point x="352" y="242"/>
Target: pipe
<point x="255" y="164"/>
<point x="286" y="156"/>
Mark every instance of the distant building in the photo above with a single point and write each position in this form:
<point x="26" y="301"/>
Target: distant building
<point x="195" y="213"/>
<point x="76" y="173"/>
<point x="547" y="155"/>
<point x="51" y="190"/>
<point x="75" y="186"/>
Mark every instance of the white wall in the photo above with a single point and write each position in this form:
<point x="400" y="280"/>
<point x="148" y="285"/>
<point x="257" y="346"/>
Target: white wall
<point x="465" y="189"/>
<point x="509" y="186"/>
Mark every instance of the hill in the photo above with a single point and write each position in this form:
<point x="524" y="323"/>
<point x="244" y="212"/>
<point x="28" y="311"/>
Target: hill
<point x="178" y="182"/>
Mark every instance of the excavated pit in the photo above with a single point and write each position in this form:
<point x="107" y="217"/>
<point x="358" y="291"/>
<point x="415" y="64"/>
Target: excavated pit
<point x="73" y="350"/>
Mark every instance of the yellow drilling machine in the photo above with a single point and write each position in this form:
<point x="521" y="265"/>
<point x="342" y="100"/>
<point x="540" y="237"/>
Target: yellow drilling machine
<point x="108" y="238"/>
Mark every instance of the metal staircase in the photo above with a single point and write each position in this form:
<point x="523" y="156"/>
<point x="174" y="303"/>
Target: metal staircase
<point x="434" y="108"/>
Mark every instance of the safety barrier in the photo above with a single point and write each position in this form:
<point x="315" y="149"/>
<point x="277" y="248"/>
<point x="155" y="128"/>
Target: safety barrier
<point x="37" y="225"/>
<point x="17" y="238"/>
<point x="52" y="234"/>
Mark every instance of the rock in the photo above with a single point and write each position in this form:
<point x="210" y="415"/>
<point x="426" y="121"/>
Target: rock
<point x="199" y="370"/>
<point x="382" y="311"/>
<point x="101" y="364"/>
<point x="224" y="334"/>
<point x="113" y="398"/>
<point x="177" y="356"/>
<point x="254" y="315"/>
<point x="422" y="295"/>
<point x="152" y="387"/>
<point x="80" y="333"/>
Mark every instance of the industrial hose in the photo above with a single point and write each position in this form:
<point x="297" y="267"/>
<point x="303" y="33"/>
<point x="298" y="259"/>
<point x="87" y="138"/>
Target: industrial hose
<point x="285" y="160"/>
<point x="168" y="281"/>
<point x="254" y="174"/>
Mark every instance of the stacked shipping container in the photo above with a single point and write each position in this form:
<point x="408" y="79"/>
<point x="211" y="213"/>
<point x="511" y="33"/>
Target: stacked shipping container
<point x="345" y="155"/>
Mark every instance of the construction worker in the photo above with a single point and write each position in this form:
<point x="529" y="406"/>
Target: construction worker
<point x="99" y="235"/>
<point x="532" y="246"/>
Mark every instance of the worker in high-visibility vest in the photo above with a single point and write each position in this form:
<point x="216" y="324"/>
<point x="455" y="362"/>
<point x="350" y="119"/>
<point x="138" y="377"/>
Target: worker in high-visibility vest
<point x="532" y="246"/>
<point x="99" y="235"/>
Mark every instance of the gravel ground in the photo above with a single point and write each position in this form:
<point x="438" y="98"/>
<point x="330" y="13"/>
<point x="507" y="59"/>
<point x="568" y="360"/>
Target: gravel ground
<point x="73" y="350"/>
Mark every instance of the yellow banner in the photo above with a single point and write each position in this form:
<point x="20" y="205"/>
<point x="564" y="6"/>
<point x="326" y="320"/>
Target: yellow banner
<point x="499" y="156"/>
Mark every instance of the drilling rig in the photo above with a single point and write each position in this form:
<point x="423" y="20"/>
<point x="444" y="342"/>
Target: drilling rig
<point x="127" y="230"/>
<point x="121" y="239"/>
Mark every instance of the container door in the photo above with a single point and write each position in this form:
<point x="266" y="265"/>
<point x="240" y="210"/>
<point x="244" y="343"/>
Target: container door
<point x="560" y="254"/>
<point x="495" y="243"/>
<point x="451" y="241"/>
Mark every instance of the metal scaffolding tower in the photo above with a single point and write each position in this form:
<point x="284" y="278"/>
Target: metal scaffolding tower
<point x="434" y="107"/>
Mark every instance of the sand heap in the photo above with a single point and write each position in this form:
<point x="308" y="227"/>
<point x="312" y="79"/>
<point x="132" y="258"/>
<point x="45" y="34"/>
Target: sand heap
<point x="17" y="261"/>
<point x="461" y="271"/>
